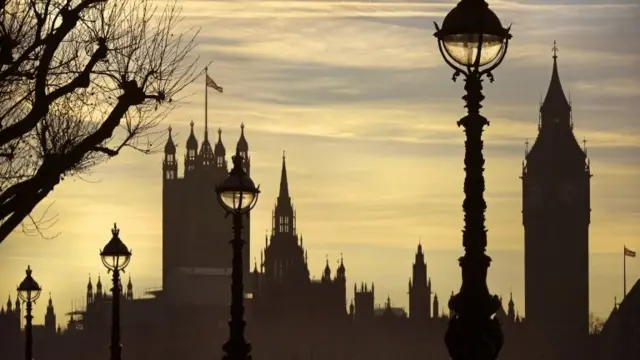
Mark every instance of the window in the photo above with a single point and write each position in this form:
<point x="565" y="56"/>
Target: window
<point x="220" y="161"/>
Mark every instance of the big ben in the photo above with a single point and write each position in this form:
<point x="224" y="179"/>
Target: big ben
<point x="556" y="216"/>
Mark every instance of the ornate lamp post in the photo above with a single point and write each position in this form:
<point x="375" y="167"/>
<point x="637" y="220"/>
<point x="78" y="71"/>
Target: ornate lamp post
<point x="29" y="291"/>
<point x="238" y="195"/>
<point x="115" y="257"/>
<point x="473" y="42"/>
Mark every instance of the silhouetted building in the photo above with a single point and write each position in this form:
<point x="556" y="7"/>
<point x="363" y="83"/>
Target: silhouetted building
<point x="195" y="232"/>
<point x="290" y="315"/>
<point x="420" y="289"/>
<point x="285" y="288"/>
<point x="620" y="335"/>
<point x="556" y="216"/>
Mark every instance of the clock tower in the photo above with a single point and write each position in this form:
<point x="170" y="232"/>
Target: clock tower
<point x="556" y="217"/>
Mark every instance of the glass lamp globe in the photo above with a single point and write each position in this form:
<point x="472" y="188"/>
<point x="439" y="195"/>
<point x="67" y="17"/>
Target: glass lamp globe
<point x="472" y="34"/>
<point x="115" y="255"/>
<point x="29" y="290"/>
<point x="237" y="193"/>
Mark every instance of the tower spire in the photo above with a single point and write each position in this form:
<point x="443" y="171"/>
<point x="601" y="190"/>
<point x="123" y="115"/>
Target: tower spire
<point x="555" y="108"/>
<point x="284" y="183"/>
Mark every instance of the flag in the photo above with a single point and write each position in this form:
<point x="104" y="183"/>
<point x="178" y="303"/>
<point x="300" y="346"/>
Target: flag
<point x="629" y="253"/>
<point x="212" y="84"/>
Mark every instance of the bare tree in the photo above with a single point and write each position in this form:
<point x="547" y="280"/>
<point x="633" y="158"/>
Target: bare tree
<point x="80" y="80"/>
<point x="595" y="324"/>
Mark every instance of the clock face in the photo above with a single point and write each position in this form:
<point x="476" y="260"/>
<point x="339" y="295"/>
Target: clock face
<point x="568" y="193"/>
<point x="534" y="195"/>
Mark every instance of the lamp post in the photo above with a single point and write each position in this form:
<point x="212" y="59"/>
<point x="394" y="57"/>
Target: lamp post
<point x="115" y="257"/>
<point x="238" y="195"/>
<point x="29" y="291"/>
<point x="473" y="42"/>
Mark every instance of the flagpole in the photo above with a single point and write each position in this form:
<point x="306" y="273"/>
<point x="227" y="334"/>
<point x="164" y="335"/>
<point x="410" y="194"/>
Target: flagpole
<point x="624" y="273"/>
<point x="206" y="103"/>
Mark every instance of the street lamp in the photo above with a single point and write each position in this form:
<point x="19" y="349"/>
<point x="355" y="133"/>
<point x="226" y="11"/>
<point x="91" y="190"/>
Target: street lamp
<point x="238" y="195"/>
<point x="115" y="257"/>
<point x="29" y="291"/>
<point x="473" y="42"/>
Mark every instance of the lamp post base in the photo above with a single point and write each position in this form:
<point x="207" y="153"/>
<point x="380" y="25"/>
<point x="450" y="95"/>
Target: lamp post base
<point x="236" y="350"/>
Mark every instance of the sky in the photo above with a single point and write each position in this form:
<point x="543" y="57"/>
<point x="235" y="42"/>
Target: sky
<point x="359" y="97"/>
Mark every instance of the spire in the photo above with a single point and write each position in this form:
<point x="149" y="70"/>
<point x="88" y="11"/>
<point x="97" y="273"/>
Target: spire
<point x="170" y="147"/>
<point x="341" y="268"/>
<point x="192" y="142"/>
<point x="284" y="183"/>
<point x="219" y="149"/>
<point x="99" y="285"/>
<point x="555" y="107"/>
<point x="327" y="270"/>
<point x="243" y="145"/>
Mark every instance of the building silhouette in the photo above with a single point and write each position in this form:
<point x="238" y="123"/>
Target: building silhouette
<point x="556" y="216"/>
<point x="291" y="315"/>
<point x="620" y="335"/>
<point x="195" y="231"/>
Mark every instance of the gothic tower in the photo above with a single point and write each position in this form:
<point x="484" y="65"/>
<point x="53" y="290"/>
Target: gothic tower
<point x="50" y="317"/>
<point x="195" y="230"/>
<point x="284" y="256"/>
<point x="419" y="289"/>
<point x="556" y="217"/>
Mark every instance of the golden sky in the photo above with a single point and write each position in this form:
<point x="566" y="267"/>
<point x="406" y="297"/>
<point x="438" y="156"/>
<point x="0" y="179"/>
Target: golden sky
<point x="358" y="96"/>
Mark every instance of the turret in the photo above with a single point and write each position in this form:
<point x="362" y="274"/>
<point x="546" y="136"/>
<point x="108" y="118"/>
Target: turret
<point x="50" y="317"/>
<point x="99" y="292"/>
<point x="192" y="153"/>
<point x="129" y="295"/>
<point x="326" y="274"/>
<point x="170" y="164"/>
<point x="511" y="311"/>
<point x="89" y="291"/>
<point x="243" y="148"/>
<point x="220" y="153"/>
<point x="436" y="307"/>
<point x="341" y="272"/>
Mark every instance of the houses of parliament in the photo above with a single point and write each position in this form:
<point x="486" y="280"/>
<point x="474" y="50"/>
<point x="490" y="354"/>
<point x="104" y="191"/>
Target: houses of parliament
<point x="291" y="315"/>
